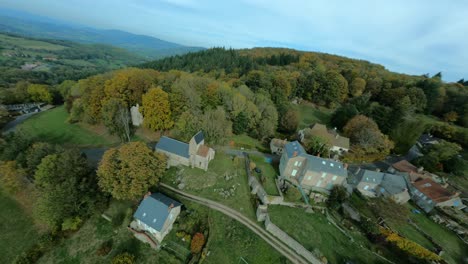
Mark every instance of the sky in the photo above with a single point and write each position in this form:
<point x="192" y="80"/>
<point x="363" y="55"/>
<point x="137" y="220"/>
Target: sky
<point x="413" y="37"/>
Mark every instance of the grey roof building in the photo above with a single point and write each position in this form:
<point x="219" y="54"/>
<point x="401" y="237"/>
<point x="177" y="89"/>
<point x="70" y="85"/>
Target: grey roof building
<point x="311" y="172"/>
<point x="173" y="146"/>
<point x="156" y="215"/>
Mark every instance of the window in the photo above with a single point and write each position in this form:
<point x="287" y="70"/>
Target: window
<point x="366" y="187"/>
<point x="318" y="183"/>
<point x="332" y="165"/>
<point x="324" y="163"/>
<point x="300" y="163"/>
<point x="294" y="172"/>
<point x="334" y="178"/>
<point x="296" y="162"/>
<point x="430" y="201"/>
<point x="309" y="178"/>
<point x="324" y="174"/>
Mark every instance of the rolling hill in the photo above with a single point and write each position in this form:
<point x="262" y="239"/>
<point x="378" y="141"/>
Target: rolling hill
<point x="25" y="24"/>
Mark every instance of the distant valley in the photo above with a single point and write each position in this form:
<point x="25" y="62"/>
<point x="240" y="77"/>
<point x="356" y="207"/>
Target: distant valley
<point x="25" y="24"/>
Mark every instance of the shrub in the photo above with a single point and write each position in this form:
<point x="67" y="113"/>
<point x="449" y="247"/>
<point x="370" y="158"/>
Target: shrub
<point x="71" y="224"/>
<point x="104" y="248"/>
<point x="124" y="258"/>
<point x="338" y="195"/>
<point x="198" y="241"/>
<point x="408" y="246"/>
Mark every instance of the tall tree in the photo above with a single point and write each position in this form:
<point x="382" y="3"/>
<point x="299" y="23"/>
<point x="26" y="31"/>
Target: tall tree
<point x="290" y="120"/>
<point x="215" y="125"/>
<point x="357" y="86"/>
<point x="67" y="188"/>
<point x="116" y="118"/>
<point x="12" y="178"/>
<point x="39" y="93"/>
<point x="157" y="110"/>
<point x="129" y="171"/>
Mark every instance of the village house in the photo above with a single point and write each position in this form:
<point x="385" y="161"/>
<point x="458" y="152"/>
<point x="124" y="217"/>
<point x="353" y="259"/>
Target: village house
<point x="337" y="143"/>
<point x="310" y="172"/>
<point x="155" y="216"/>
<point x="277" y="146"/>
<point x="428" y="194"/>
<point x="414" y="172"/>
<point x="194" y="154"/>
<point x="378" y="184"/>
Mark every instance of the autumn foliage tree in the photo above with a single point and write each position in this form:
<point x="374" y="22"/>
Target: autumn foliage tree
<point x="157" y="110"/>
<point x="369" y="143"/>
<point x="39" y="93"/>
<point x="12" y="178"/>
<point x="128" y="171"/>
<point x="197" y="243"/>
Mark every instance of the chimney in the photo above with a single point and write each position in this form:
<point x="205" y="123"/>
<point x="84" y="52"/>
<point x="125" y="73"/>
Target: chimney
<point x="147" y="195"/>
<point x="318" y="154"/>
<point x="295" y="154"/>
<point x="420" y="169"/>
<point x="337" y="136"/>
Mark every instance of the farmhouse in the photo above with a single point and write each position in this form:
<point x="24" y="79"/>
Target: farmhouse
<point x="194" y="154"/>
<point x="428" y="194"/>
<point x="337" y="143"/>
<point x="310" y="172"/>
<point x="155" y="215"/>
<point x="377" y="184"/>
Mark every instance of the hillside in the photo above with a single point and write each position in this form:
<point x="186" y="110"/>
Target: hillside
<point x="53" y="61"/>
<point x="25" y="24"/>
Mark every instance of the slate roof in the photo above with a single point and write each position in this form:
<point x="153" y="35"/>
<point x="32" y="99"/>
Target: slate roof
<point x="331" y="136"/>
<point x="292" y="147"/>
<point x="154" y="210"/>
<point x="370" y="176"/>
<point x="315" y="163"/>
<point x="199" y="137"/>
<point x="173" y="146"/>
<point x="404" y="166"/>
<point x="394" y="183"/>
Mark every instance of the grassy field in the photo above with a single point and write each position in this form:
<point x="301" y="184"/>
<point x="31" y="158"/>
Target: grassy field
<point x="224" y="174"/>
<point x="270" y="173"/>
<point x="52" y="126"/>
<point x="309" y="114"/>
<point x="313" y="231"/>
<point x="247" y="142"/>
<point x="17" y="230"/>
<point x="29" y="43"/>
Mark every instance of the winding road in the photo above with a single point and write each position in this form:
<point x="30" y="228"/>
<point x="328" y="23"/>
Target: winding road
<point x="262" y="233"/>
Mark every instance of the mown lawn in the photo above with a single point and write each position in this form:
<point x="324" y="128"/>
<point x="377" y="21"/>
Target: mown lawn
<point x="313" y="231"/>
<point x="52" y="126"/>
<point x="224" y="174"/>
<point x="309" y="114"/>
<point x="268" y="171"/>
<point x="17" y="230"/>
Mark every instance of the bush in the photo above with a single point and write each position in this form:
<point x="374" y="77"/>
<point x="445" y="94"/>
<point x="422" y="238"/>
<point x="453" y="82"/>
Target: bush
<point x="293" y="194"/>
<point x="104" y="248"/>
<point x="338" y="195"/>
<point x="409" y="247"/>
<point x="71" y="224"/>
<point x="124" y="258"/>
<point x="198" y="241"/>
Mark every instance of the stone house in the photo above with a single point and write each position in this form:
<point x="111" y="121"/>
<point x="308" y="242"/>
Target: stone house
<point x="428" y="194"/>
<point x="414" y="172"/>
<point x="155" y="215"/>
<point x="310" y="172"/>
<point x="277" y="146"/>
<point x="338" y="144"/>
<point x="377" y="184"/>
<point x="194" y="154"/>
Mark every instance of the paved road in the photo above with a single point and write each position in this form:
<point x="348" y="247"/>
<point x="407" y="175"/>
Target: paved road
<point x="262" y="233"/>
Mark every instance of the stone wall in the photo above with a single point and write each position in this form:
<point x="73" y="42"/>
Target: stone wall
<point x="292" y="243"/>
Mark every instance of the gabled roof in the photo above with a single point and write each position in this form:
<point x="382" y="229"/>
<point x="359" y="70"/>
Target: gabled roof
<point x="203" y="151"/>
<point x="331" y="136"/>
<point x="433" y="190"/>
<point x="154" y="210"/>
<point x="325" y="165"/>
<point x="394" y="183"/>
<point x="173" y="146"/>
<point x="404" y="166"/>
<point x="294" y="148"/>
<point x="199" y="137"/>
<point x="370" y="176"/>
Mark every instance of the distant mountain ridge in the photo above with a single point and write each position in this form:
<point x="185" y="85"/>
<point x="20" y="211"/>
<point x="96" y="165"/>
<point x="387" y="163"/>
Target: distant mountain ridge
<point x="22" y="23"/>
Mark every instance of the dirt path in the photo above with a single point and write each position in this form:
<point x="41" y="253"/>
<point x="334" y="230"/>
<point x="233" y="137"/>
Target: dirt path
<point x="265" y="235"/>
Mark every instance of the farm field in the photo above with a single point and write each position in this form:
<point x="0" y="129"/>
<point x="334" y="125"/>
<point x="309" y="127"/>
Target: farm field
<point x="52" y="126"/>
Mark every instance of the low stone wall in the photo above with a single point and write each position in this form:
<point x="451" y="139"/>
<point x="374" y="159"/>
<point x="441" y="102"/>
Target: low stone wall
<point x="291" y="242"/>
